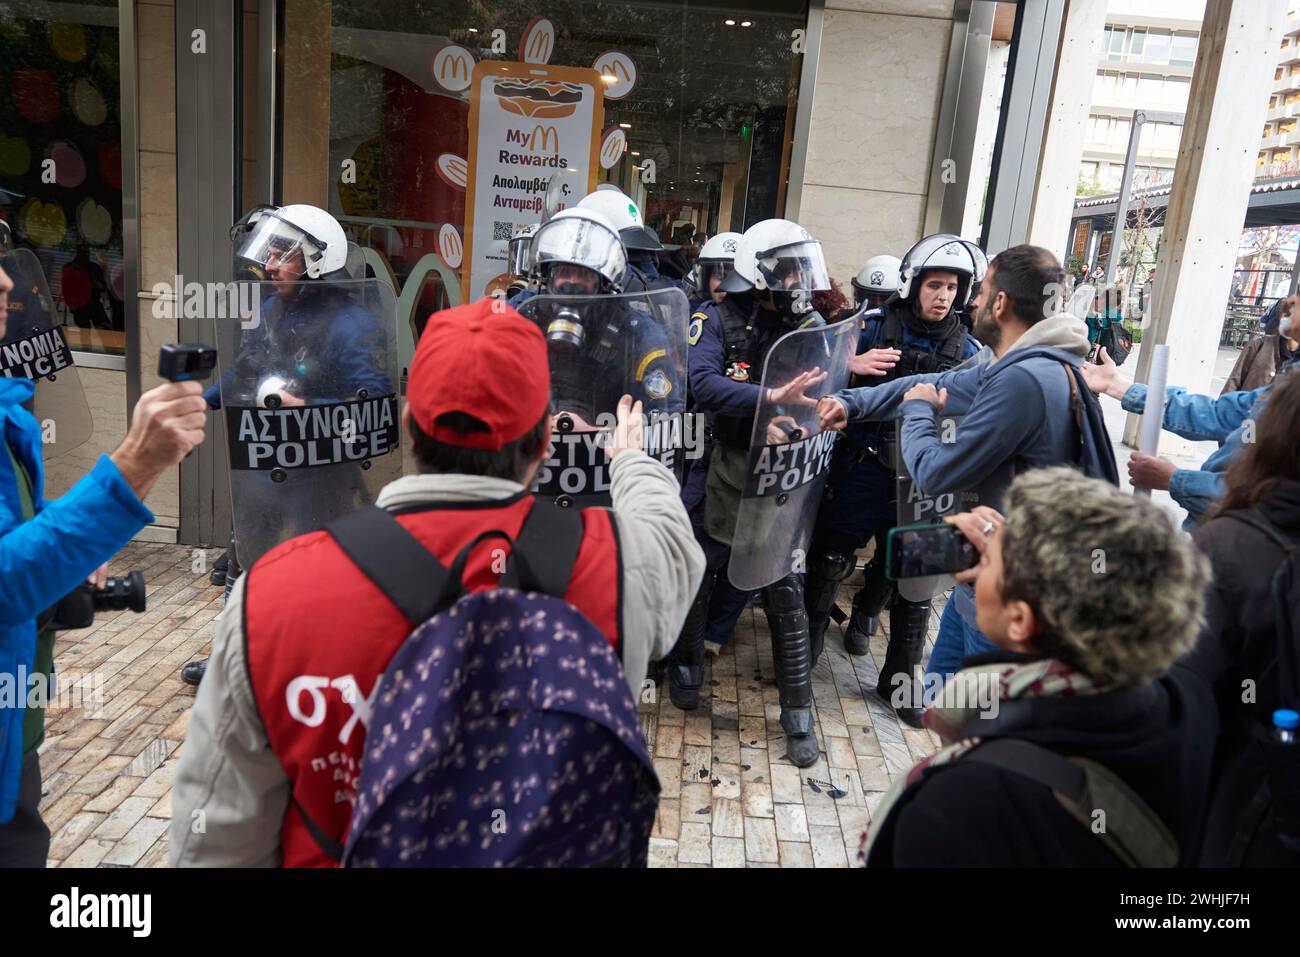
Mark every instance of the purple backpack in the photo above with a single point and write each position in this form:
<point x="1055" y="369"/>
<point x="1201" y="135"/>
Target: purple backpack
<point x="504" y="733"/>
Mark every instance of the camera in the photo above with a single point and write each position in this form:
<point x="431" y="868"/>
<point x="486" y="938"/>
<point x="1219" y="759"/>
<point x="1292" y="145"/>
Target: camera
<point x="77" y="608"/>
<point x="178" y="362"/>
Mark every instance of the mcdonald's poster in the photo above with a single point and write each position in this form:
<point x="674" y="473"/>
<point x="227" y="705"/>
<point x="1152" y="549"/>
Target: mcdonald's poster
<point x="526" y="122"/>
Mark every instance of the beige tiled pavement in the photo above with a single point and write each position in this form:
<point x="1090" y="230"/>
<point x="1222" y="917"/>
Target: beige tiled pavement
<point x="730" y="797"/>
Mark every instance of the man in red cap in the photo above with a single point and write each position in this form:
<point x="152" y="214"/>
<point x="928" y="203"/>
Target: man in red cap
<point x="274" y="743"/>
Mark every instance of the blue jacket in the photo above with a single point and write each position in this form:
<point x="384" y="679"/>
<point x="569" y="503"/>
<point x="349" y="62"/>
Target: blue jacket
<point x="345" y="341"/>
<point x="44" y="559"/>
<point x="861" y="488"/>
<point x="1017" y="417"/>
<point x="1201" y="418"/>
<point x="711" y="389"/>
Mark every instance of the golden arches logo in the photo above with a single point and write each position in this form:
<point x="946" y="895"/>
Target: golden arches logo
<point x="454" y="67"/>
<point x="539" y="46"/>
<point x="543" y="138"/>
<point x="617" y="71"/>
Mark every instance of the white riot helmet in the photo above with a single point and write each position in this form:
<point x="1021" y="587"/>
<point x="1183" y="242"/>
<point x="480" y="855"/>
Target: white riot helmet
<point x="946" y="252"/>
<point x="878" y="277"/>
<point x="270" y="233"/>
<point x="519" y="251"/>
<point x="625" y="217"/>
<point x="779" y="255"/>
<point x="580" y="237"/>
<point x="720" y="249"/>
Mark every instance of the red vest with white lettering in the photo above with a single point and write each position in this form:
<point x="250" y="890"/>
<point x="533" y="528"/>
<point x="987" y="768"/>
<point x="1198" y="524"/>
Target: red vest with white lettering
<point x="319" y="634"/>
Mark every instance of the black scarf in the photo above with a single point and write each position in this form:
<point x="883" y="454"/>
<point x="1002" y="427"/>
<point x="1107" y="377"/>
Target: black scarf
<point x="940" y="331"/>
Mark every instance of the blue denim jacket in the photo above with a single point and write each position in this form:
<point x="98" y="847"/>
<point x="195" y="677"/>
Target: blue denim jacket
<point x="1201" y="418"/>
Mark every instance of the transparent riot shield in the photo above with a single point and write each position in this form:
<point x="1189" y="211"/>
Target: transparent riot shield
<point x="35" y="346"/>
<point x="789" y="454"/>
<point x="916" y="507"/>
<point x="602" y="348"/>
<point x="309" y="389"/>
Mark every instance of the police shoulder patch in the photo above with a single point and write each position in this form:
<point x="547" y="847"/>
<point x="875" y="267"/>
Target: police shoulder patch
<point x="697" y="327"/>
<point x="657" y="384"/>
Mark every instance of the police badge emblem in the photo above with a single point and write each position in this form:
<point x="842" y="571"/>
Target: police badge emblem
<point x="656" y="385"/>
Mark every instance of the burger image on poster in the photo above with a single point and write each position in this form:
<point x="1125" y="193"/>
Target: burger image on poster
<point x="88" y="103"/>
<point x="450" y="246"/>
<point x="95" y="222"/>
<point x="538" y="99"/>
<point x="452" y="66"/>
<point x="452" y="170"/>
<point x="43" y="223"/>
<point x="537" y="42"/>
<point x="613" y="144"/>
<point x="69" y="167"/>
<point x="617" y="73"/>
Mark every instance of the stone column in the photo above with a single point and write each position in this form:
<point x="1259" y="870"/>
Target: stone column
<point x="875" y="108"/>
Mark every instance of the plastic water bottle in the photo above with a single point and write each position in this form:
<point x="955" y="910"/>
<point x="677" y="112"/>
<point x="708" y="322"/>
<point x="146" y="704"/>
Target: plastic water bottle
<point x="1286" y="726"/>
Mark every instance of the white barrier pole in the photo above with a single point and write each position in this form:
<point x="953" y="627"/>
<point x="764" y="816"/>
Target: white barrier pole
<point x="1153" y="415"/>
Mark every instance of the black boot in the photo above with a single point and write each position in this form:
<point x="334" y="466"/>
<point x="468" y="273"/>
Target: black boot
<point x="686" y="663"/>
<point x="898" y="685"/>
<point x="868" y="603"/>
<point x="218" y="576"/>
<point x="826" y="570"/>
<point x="193" y="673"/>
<point x="792" y="655"/>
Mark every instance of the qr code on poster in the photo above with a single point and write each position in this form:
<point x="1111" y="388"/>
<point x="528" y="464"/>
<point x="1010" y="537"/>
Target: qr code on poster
<point x="502" y="230"/>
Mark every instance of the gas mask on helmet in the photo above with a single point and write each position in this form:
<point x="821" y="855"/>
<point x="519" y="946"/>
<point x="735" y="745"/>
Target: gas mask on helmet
<point x="583" y="320"/>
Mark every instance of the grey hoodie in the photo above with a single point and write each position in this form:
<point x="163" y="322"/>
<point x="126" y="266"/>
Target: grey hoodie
<point x="1017" y="409"/>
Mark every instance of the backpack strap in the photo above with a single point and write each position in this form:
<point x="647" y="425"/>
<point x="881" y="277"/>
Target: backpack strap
<point x="1091" y="423"/>
<point x="1130" y="829"/>
<point x="546" y="550"/>
<point x="397" y="562"/>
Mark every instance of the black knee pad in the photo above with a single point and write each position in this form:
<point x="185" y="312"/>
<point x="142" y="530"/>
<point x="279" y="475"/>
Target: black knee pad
<point x="832" y="566"/>
<point x="785" y="595"/>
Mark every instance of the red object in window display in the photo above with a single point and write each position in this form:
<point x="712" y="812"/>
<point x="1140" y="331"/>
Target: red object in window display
<point x="36" y="95"/>
<point x="110" y="164"/>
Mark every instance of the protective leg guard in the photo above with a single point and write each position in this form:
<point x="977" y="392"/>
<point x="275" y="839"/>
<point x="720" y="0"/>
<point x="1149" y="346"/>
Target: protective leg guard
<point x="686" y="663"/>
<point x="870" y="600"/>
<point x="898" y="684"/>
<point x="826" y="570"/>
<point x="787" y="620"/>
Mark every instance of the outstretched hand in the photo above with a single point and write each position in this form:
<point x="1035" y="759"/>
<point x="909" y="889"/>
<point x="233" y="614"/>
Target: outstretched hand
<point x="629" y="431"/>
<point x="794" y="391"/>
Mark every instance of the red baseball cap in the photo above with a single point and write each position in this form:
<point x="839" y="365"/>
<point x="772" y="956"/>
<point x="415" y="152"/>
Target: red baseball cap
<point x="485" y="360"/>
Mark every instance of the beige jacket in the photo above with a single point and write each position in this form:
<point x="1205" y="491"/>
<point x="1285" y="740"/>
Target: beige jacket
<point x="230" y="793"/>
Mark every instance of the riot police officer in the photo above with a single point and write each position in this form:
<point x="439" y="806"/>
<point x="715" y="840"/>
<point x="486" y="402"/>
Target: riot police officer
<point x="875" y="282"/>
<point x="715" y="259"/>
<point x="642" y="245"/>
<point x="315" y="342"/>
<point x="917" y="330"/>
<point x="778" y="266"/>
<point x="594" y="333"/>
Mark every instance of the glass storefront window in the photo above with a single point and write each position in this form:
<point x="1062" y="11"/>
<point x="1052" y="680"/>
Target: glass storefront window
<point x="61" y="158"/>
<point x="447" y="120"/>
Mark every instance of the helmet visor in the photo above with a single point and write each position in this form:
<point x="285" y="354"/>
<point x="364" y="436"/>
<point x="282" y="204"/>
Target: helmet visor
<point x="582" y="243"/>
<point x="797" y="266"/>
<point x="271" y="242"/>
<point x="519" y="255"/>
